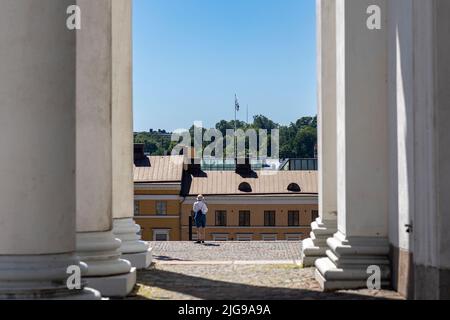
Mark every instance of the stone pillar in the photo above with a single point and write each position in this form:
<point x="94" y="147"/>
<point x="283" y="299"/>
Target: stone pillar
<point x="362" y="151"/>
<point x="37" y="158"/>
<point x="432" y="153"/>
<point x="325" y="226"/>
<point x="133" y="249"/>
<point x="96" y="244"/>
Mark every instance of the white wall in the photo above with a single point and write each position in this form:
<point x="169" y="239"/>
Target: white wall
<point x="401" y="121"/>
<point x="432" y="138"/>
<point x="442" y="119"/>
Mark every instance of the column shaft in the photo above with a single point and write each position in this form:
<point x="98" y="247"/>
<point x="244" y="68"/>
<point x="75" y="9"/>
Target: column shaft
<point x="325" y="226"/>
<point x="133" y="249"/>
<point x="96" y="244"/>
<point x="37" y="161"/>
<point x="362" y="150"/>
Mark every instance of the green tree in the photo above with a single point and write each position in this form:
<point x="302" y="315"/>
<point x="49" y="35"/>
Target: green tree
<point x="297" y="140"/>
<point x="305" y="142"/>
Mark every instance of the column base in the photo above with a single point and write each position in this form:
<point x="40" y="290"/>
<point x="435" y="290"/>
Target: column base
<point x="41" y="277"/>
<point x="316" y="246"/>
<point x="348" y="260"/>
<point x="106" y="272"/>
<point x="140" y="260"/>
<point x="114" y="286"/>
<point x="133" y="249"/>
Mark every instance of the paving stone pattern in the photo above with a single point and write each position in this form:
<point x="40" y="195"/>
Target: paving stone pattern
<point x="186" y="271"/>
<point x="226" y="251"/>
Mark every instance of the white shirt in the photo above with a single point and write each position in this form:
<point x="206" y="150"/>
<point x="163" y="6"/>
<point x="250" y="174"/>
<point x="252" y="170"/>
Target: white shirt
<point x="200" y="206"/>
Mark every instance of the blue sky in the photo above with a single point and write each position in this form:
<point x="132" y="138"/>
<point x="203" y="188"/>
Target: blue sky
<point x="192" y="56"/>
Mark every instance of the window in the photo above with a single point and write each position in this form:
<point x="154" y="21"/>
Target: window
<point x="220" y="237"/>
<point x="221" y="218"/>
<point x="161" y="208"/>
<point x="244" y="218"/>
<point x="160" y="235"/>
<point x="314" y="215"/>
<point x="269" y="237"/>
<point x="293" y="218"/>
<point x="137" y="208"/>
<point x="269" y="218"/>
<point x="244" y="237"/>
<point x="294" y="237"/>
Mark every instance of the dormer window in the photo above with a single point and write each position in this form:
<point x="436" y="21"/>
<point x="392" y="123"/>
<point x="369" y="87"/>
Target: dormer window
<point x="294" y="187"/>
<point x="245" y="187"/>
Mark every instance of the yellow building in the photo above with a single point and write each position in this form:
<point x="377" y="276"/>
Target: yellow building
<point x="157" y="200"/>
<point x="265" y="205"/>
<point x="243" y="205"/>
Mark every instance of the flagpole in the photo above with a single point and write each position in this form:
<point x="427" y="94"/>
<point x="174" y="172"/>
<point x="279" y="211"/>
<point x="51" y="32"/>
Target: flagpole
<point x="235" y="113"/>
<point x="235" y="125"/>
<point x="247" y="114"/>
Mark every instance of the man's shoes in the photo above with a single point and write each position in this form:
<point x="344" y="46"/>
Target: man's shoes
<point x="203" y="241"/>
<point x="198" y="242"/>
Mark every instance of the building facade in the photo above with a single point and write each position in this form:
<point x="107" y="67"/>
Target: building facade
<point x="260" y="206"/>
<point x="252" y="219"/>
<point x="157" y="196"/>
<point x="278" y="205"/>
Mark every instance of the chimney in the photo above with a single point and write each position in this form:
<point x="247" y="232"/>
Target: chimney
<point x="139" y="151"/>
<point x="190" y="164"/>
<point x="193" y="167"/>
<point x="243" y="165"/>
<point x="140" y="159"/>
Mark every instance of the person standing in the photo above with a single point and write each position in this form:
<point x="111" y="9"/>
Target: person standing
<point x="200" y="210"/>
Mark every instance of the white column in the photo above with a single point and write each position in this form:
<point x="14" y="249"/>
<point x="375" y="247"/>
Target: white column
<point x="362" y="151"/>
<point x="37" y="158"/>
<point x="325" y="226"/>
<point x="133" y="249"/>
<point x="96" y="244"/>
<point x="432" y="152"/>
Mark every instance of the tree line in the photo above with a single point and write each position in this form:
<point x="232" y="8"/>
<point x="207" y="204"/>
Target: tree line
<point x="297" y="140"/>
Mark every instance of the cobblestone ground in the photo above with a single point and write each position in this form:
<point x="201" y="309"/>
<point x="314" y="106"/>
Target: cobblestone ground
<point x="256" y="270"/>
<point x="173" y="251"/>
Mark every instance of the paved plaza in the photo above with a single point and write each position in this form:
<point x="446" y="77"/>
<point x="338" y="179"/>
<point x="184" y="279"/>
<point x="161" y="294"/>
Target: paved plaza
<point x="173" y="252"/>
<point x="235" y="271"/>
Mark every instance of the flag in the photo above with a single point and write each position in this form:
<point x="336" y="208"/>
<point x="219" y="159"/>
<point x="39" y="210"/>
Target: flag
<point x="236" y="103"/>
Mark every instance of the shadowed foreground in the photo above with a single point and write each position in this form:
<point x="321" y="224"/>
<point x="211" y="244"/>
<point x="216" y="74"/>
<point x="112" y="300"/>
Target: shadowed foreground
<point x="238" y="282"/>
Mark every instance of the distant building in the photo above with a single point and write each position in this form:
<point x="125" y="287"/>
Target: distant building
<point x="258" y="206"/>
<point x="157" y="197"/>
<point x="243" y="204"/>
<point x="302" y="164"/>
